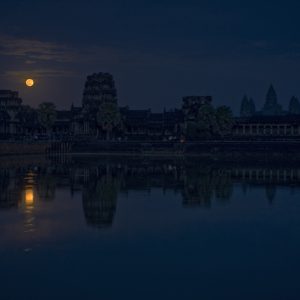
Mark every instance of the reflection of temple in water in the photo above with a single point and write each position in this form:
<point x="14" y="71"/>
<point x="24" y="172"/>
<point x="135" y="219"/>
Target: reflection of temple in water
<point x="99" y="200"/>
<point x="99" y="196"/>
<point x="147" y="176"/>
<point x="270" y="178"/>
<point x="267" y="175"/>
<point x="99" y="183"/>
<point x="10" y="193"/>
<point x="204" y="184"/>
<point x="11" y="188"/>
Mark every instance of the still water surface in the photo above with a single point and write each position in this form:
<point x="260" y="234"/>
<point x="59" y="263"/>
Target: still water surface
<point x="95" y="228"/>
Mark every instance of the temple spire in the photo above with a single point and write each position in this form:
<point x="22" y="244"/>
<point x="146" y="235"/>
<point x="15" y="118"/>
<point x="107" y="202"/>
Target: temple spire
<point x="271" y="106"/>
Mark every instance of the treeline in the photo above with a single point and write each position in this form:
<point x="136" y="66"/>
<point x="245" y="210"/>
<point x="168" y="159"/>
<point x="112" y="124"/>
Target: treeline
<point x="208" y="121"/>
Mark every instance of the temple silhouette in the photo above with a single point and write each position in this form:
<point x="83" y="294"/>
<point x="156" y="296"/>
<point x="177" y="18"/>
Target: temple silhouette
<point x="101" y="118"/>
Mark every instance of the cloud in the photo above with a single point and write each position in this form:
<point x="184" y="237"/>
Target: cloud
<point x="261" y="44"/>
<point x="22" y="57"/>
<point x="38" y="73"/>
<point x="33" y="50"/>
<point x="30" y="62"/>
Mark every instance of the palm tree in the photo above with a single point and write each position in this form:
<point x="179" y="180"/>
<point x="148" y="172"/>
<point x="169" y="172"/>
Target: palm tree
<point x="206" y="120"/>
<point x="27" y="117"/>
<point x="108" y="117"/>
<point x="224" y="118"/>
<point x="47" y="115"/>
<point x="210" y="122"/>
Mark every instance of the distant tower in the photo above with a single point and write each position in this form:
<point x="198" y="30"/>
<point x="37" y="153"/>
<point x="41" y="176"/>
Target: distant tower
<point x="294" y="106"/>
<point x="271" y="99"/>
<point x="271" y="106"/>
<point x="10" y="102"/>
<point x="99" y="88"/>
<point x="248" y="108"/>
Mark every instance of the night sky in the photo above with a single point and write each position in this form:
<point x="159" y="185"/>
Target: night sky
<point x="158" y="51"/>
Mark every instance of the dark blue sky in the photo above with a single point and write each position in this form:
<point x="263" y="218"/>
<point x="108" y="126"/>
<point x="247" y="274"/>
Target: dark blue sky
<point x="158" y="51"/>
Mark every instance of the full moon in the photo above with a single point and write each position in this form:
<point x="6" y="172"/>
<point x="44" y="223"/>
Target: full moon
<point x="29" y="82"/>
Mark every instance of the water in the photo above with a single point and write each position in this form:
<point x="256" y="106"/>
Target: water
<point x="99" y="228"/>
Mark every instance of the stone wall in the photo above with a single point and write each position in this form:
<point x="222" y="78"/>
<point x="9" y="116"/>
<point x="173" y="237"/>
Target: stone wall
<point x="18" y="148"/>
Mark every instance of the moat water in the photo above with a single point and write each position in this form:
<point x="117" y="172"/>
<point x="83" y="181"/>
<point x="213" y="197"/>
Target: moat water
<point x="102" y="228"/>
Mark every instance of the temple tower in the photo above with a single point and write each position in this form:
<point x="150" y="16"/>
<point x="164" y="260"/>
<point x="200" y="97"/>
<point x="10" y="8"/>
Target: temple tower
<point x="99" y="88"/>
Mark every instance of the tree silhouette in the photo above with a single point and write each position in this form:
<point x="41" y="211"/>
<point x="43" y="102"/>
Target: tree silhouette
<point x="47" y="115"/>
<point x="224" y="118"/>
<point x="210" y="122"/>
<point x="108" y="117"/>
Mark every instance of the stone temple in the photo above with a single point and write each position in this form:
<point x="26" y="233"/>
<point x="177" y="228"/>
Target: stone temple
<point x="99" y="88"/>
<point x="10" y="107"/>
<point x="17" y="121"/>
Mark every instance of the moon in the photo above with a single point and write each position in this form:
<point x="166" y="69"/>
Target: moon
<point x="29" y="82"/>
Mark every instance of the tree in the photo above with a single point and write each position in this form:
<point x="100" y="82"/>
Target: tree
<point x="47" y="115"/>
<point x="206" y="120"/>
<point x="210" y="122"/>
<point x="294" y="106"/>
<point x="191" y="130"/>
<point x="108" y="117"/>
<point x="224" y="118"/>
<point x="27" y="116"/>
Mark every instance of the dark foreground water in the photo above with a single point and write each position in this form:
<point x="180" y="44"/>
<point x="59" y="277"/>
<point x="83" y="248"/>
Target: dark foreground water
<point x="92" y="228"/>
